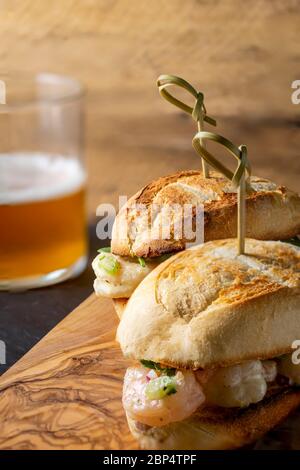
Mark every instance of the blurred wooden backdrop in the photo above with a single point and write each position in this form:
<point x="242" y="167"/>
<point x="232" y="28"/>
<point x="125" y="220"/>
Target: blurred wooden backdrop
<point x="242" y="54"/>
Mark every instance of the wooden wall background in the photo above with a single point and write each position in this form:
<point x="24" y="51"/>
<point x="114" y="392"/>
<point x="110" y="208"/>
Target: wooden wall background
<point x="243" y="54"/>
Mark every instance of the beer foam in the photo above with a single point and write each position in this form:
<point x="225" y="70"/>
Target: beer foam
<point x="27" y="177"/>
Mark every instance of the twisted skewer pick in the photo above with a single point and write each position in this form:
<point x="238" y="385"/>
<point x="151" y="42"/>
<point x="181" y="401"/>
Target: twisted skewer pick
<point x="198" y="111"/>
<point x="238" y="178"/>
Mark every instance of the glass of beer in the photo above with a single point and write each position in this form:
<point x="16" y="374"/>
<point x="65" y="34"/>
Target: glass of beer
<point x="43" y="237"/>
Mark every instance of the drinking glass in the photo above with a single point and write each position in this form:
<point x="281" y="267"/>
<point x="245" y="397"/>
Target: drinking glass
<point x="43" y="236"/>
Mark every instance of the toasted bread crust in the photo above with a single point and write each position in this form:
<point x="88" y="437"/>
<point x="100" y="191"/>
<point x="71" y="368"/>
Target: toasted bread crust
<point x="220" y="429"/>
<point x="208" y="307"/>
<point x="267" y="204"/>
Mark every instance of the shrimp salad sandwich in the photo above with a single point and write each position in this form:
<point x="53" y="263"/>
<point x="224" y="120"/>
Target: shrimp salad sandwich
<point x="134" y="250"/>
<point x="210" y="334"/>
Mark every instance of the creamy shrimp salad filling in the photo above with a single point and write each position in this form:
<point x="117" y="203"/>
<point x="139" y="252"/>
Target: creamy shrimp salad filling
<point x="156" y="396"/>
<point x="118" y="276"/>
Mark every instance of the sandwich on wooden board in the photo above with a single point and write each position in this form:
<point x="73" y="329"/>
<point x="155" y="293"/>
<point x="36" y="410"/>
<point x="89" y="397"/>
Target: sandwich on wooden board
<point x="211" y="329"/>
<point x="211" y="334"/>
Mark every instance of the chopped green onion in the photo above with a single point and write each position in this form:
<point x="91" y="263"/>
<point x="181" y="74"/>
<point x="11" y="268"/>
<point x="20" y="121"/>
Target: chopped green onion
<point x="142" y="262"/>
<point x="161" y="387"/>
<point x="109" y="263"/>
<point x="293" y="241"/>
<point x="156" y="366"/>
<point x="106" y="249"/>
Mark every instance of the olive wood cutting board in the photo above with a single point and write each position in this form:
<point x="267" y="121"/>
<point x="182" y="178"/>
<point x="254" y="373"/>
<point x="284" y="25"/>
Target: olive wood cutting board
<point x="66" y="392"/>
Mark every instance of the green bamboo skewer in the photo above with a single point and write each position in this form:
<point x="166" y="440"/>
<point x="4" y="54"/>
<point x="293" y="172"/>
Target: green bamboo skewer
<point x="242" y="206"/>
<point x="198" y="112"/>
<point x="238" y="178"/>
<point x="205" y="167"/>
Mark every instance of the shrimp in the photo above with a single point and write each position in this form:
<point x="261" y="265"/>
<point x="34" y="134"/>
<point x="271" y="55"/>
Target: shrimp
<point x="270" y="370"/>
<point x="123" y="281"/>
<point x="175" y="407"/>
<point x="237" y="386"/>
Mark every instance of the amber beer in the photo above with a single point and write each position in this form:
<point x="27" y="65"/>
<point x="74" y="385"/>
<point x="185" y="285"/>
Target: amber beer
<point x="42" y="217"/>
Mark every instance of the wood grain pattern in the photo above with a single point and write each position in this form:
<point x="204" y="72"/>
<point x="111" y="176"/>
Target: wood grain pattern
<point x="126" y="157"/>
<point x="243" y="57"/>
<point x="118" y="47"/>
<point x="66" y="392"/>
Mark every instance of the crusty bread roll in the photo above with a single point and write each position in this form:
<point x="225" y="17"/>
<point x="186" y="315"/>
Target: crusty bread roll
<point x="273" y="212"/>
<point x="208" y="307"/>
<point x="219" y="428"/>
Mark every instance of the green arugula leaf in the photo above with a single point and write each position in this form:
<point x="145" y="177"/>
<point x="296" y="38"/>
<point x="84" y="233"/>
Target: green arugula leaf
<point x="170" y="371"/>
<point x="106" y="249"/>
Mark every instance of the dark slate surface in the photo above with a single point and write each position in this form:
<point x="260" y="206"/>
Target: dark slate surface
<point x="25" y="317"/>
